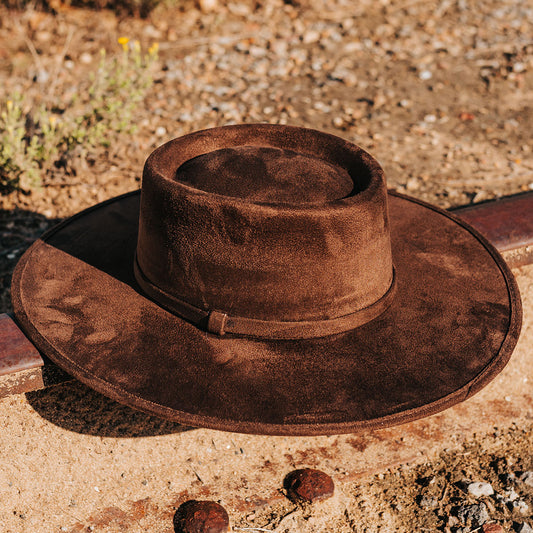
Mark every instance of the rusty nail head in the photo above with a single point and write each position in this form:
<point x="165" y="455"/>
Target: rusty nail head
<point x="201" y="517"/>
<point x="308" y="485"/>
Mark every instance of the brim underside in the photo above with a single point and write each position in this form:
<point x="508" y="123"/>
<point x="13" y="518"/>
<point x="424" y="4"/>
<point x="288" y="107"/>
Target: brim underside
<point x="451" y="328"/>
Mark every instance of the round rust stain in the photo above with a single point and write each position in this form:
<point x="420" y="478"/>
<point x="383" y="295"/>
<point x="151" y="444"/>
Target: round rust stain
<point x="201" y="517"/>
<point x="309" y="485"/>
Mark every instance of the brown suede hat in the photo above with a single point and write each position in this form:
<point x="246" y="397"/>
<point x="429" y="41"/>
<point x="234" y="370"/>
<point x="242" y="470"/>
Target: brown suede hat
<point x="265" y="281"/>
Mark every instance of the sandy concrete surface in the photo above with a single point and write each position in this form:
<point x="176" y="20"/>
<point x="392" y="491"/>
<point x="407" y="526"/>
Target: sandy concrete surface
<point x="74" y="461"/>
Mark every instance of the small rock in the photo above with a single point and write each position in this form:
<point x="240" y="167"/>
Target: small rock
<point x="152" y="32"/>
<point x="257" y="51"/>
<point x="425" y="75"/>
<point x="507" y="496"/>
<point x="480" y="489"/>
<point x="524" y="527"/>
<point x="201" y="517"/>
<point x="452" y="521"/>
<point x="465" y="116"/>
<point x="239" y="9"/>
<point x="428" y="503"/>
<point x="520" y="506"/>
<point x="412" y="184"/>
<point x="86" y="58"/>
<point x="492" y="528"/>
<point x="279" y="47"/>
<point x="527" y="477"/>
<point x="474" y="515"/>
<point x="479" y="196"/>
<point x="42" y="76"/>
<point x="207" y="6"/>
<point x="344" y="75"/>
<point x="309" y="485"/>
<point x="311" y="36"/>
<point x="161" y="131"/>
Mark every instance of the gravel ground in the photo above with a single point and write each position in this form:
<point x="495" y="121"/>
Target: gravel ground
<point x="440" y="92"/>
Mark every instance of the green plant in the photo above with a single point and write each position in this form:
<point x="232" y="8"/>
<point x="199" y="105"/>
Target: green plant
<point x="18" y="167"/>
<point x="33" y="141"/>
<point x="117" y="87"/>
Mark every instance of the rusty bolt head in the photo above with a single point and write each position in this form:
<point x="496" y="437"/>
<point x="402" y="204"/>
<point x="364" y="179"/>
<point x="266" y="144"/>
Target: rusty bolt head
<point x="201" y="517"/>
<point x="309" y="485"/>
<point x="492" y="528"/>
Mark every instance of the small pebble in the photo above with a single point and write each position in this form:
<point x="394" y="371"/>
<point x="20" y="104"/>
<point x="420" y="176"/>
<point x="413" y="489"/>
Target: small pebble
<point x="201" y="517"/>
<point x="474" y="515"/>
<point x="42" y="76"/>
<point x="425" y="75"/>
<point x="207" y="6"/>
<point x="161" y="131"/>
<point x="507" y="496"/>
<point x="310" y="36"/>
<point x="309" y="485"/>
<point x="86" y="58"/>
<point x="492" y="528"/>
<point x="479" y="196"/>
<point x="520" y="506"/>
<point x="527" y="477"/>
<point x="480" y="489"/>
<point x="428" y="503"/>
<point x="412" y="184"/>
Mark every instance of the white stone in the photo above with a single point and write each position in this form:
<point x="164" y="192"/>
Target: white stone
<point x="86" y="58"/>
<point x="480" y="488"/>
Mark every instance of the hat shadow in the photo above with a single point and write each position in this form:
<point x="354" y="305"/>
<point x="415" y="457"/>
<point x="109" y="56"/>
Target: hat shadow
<point x="18" y="229"/>
<point x="76" y="407"/>
<point x="71" y="405"/>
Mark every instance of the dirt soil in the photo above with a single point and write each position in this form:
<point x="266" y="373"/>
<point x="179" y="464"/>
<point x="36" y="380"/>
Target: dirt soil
<point x="440" y="92"/>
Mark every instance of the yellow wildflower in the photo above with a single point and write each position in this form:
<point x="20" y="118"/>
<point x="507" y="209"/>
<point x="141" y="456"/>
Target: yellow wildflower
<point x="52" y="120"/>
<point x="123" y="41"/>
<point x="153" y="49"/>
<point x="137" y="46"/>
<point x="9" y="105"/>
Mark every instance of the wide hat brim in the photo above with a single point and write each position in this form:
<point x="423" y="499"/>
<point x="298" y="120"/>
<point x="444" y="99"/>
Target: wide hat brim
<point x="451" y="328"/>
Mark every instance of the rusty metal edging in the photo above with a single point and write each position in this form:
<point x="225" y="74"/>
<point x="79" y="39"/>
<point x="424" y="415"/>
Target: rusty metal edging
<point x="507" y="223"/>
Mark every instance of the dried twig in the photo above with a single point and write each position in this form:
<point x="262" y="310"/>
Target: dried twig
<point x="59" y="63"/>
<point x="265" y="529"/>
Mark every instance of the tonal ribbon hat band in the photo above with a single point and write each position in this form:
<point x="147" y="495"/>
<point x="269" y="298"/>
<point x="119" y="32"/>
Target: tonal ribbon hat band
<point x="220" y="323"/>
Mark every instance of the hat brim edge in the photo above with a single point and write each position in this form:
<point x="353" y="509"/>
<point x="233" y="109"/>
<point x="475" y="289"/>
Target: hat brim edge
<point x="494" y="367"/>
